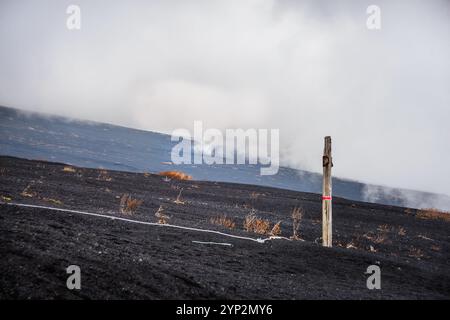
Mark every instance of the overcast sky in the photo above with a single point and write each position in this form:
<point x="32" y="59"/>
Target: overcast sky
<point x="310" y="68"/>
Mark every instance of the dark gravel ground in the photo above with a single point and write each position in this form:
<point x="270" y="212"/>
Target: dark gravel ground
<point x="121" y="260"/>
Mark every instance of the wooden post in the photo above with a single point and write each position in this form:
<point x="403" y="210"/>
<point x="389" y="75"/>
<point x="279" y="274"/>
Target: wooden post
<point x="327" y="162"/>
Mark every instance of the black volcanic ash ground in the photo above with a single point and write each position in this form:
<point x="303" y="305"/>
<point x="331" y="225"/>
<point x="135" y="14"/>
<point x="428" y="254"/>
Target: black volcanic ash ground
<point x="121" y="260"/>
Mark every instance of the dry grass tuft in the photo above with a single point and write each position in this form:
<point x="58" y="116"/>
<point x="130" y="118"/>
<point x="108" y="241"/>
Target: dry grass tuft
<point x="27" y="192"/>
<point x="421" y="236"/>
<point x="255" y="195"/>
<point x="178" y="199"/>
<point x="384" y="228"/>
<point x="261" y="226"/>
<point x="253" y="224"/>
<point x="436" y="248"/>
<point x="223" y="221"/>
<point x="103" y="176"/>
<point x="376" y="237"/>
<point x="401" y="231"/>
<point x="248" y="222"/>
<point x="6" y="199"/>
<point x="175" y="175"/>
<point x="416" y="253"/>
<point x="162" y="218"/>
<point x="54" y="201"/>
<point x="351" y="245"/>
<point x="433" y="214"/>
<point x="297" y="216"/>
<point x="128" y="205"/>
<point x="69" y="169"/>
<point x="276" y="230"/>
<point x="381" y="235"/>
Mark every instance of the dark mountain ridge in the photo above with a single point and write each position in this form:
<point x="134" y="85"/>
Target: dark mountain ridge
<point x="98" y="145"/>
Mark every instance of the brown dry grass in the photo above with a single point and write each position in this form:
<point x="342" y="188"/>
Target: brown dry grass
<point x="433" y="214"/>
<point x="53" y="201"/>
<point x="253" y="224"/>
<point x="175" y="175"/>
<point x="436" y="248"/>
<point x="27" y="192"/>
<point x="178" y="199"/>
<point x="103" y="176"/>
<point x="223" y="221"/>
<point x="384" y="228"/>
<point x="248" y="222"/>
<point x="351" y="245"/>
<point x="276" y="230"/>
<point x="416" y="253"/>
<point x="162" y="218"/>
<point x="6" y="199"/>
<point x="376" y="238"/>
<point x="128" y="205"/>
<point x="297" y="216"/>
<point x="69" y="169"/>
<point x="381" y="235"/>
<point x="255" y="195"/>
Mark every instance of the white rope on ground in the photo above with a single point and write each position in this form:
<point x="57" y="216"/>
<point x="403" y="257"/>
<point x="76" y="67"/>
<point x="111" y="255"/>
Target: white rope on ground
<point x="259" y="240"/>
<point x="216" y="243"/>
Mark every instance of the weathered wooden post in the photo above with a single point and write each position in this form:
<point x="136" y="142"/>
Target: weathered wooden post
<point x="327" y="162"/>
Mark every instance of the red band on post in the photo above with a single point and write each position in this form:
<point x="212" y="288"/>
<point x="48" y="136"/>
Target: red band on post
<point x="326" y="197"/>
